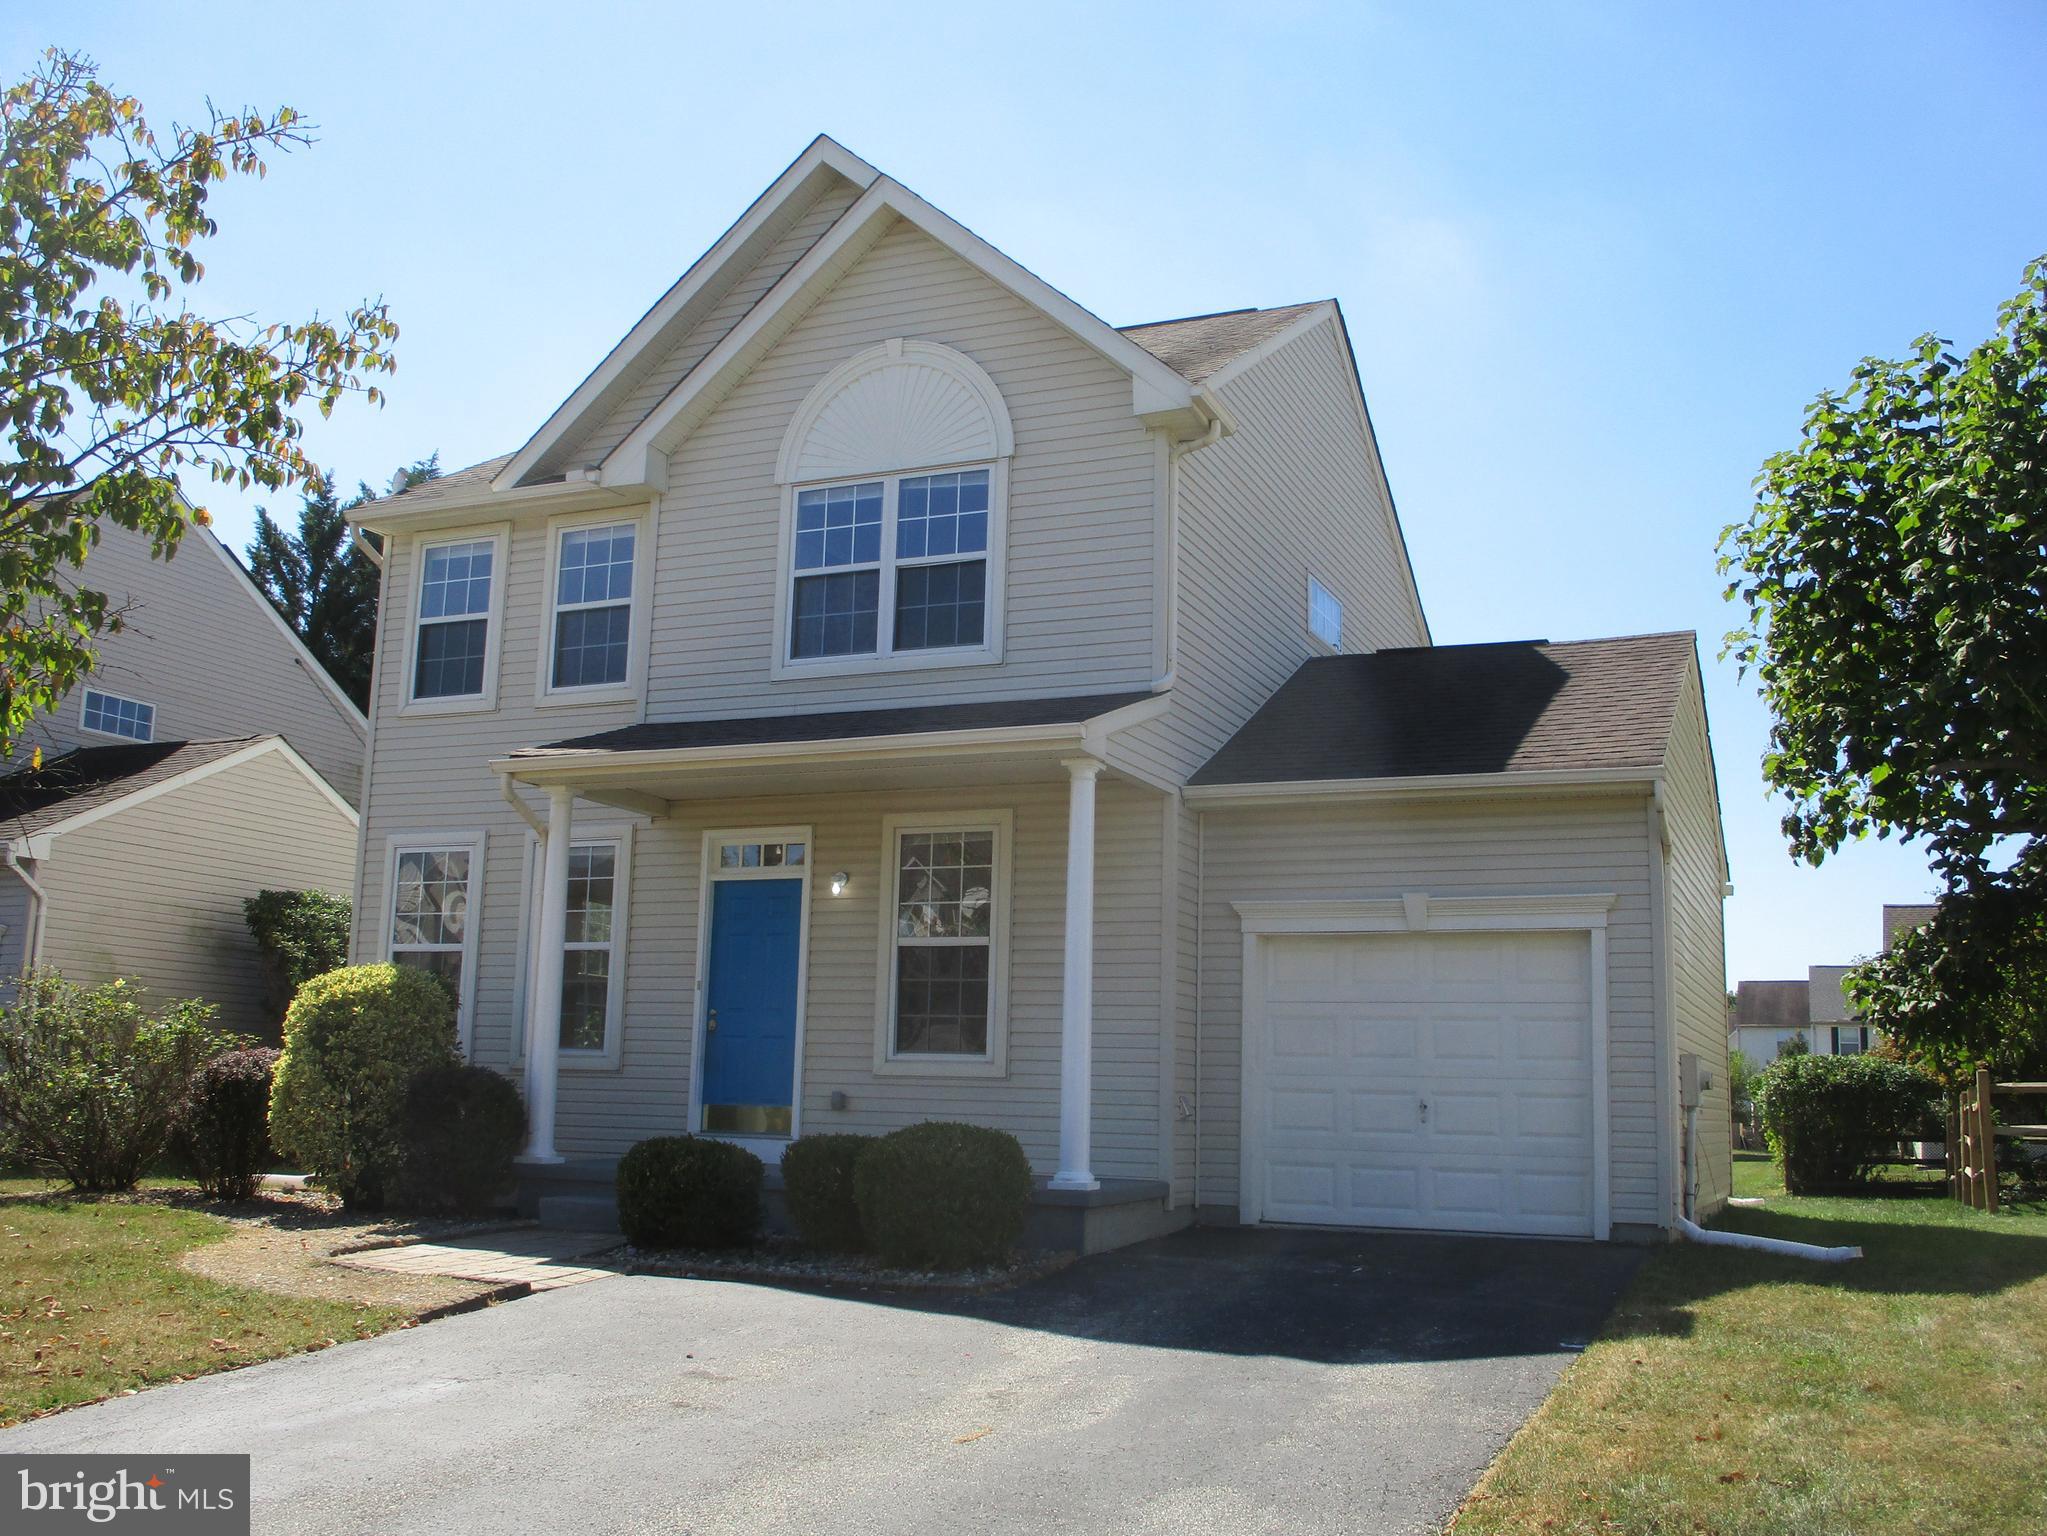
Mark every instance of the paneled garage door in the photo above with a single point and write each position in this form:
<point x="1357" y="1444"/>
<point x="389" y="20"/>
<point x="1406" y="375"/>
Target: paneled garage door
<point x="1437" y="1080"/>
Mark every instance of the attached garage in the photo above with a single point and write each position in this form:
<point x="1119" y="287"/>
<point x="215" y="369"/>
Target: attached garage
<point x="1427" y="1079"/>
<point x="1460" y="924"/>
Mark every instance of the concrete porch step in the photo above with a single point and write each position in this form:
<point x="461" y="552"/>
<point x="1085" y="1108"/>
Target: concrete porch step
<point x="579" y="1212"/>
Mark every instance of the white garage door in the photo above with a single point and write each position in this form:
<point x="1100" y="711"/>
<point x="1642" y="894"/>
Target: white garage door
<point x="1424" y="1080"/>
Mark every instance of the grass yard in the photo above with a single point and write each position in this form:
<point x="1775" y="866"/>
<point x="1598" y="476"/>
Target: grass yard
<point x="1902" y="1394"/>
<point x="93" y="1302"/>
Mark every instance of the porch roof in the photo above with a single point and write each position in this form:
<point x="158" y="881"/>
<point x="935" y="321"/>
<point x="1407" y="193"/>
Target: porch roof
<point x="981" y="740"/>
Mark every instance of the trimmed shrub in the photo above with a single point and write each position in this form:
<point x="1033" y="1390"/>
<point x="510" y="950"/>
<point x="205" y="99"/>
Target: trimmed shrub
<point x="91" y="1081"/>
<point x="462" y="1128"/>
<point x="1831" y="1119"/>
<point x="689" y="1192"/>
<point x="817" y="1183"/>
<point x="943" y="1195"/>
<point x="224" y="1127"/>
<point x="299" y="935"/>
<point x="354" y="1040"/>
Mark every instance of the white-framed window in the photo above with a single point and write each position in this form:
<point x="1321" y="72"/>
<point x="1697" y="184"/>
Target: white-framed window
<point x="1325" y="615"/>
<point x="894" y="569"/>
<point x="945" y="944"/>
<point x="457" y="608"/>
<point x="111" y="715"/>
<point x="1851" y="1039"/>
<point x="598" y="586"/>
<point x="593" y="944"/>
<point x="431" y="911"/>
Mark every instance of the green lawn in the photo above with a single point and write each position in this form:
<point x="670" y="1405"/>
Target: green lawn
<point x="93" y="1302"/>
<point x="1902" y="1394"/>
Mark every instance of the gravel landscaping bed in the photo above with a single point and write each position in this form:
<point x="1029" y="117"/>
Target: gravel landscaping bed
<point x="785" y="1261"/>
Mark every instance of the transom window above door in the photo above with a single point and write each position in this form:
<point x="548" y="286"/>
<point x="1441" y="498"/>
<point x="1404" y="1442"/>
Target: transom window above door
<point x="890" y="566"/>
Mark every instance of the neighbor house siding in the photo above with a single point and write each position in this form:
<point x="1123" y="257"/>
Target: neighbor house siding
<point x="1082" y="504"/>
<point x="15" y="904"/>
<point x="1296" y="490"/>
<point x="1696" y="876"/>
<point x="202" y="647"/>
<point x="605" y="1110"/>
<point x="155" y="890"/>
<point x="1360" y="851"/>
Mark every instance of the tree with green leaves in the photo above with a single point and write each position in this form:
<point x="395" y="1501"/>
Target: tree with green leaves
<point x="112" y="387"/>
<point x="1894" y="578"/>
<point x="321" y="583"/>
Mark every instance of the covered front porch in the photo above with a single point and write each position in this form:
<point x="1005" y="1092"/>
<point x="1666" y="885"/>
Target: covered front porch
<point x="849" y="922"/>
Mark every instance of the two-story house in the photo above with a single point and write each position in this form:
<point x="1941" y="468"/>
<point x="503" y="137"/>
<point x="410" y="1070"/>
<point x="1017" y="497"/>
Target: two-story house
<point x="884" y="691"/>
<point x="209" y="756"/>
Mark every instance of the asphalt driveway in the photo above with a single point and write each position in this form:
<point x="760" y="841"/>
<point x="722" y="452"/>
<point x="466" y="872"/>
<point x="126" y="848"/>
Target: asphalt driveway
<point x="1212" y="1381"/>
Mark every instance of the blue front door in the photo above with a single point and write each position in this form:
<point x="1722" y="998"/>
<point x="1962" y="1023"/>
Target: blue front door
<point x="750" y="1006"/>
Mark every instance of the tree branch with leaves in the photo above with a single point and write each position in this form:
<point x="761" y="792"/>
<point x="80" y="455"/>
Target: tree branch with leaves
<point x="112" y="387"/>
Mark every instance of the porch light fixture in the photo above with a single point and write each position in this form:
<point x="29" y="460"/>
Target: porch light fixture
<point x="840" y="880"/>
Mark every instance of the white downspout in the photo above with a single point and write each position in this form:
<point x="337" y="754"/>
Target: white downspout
<point x="39" y="904"/>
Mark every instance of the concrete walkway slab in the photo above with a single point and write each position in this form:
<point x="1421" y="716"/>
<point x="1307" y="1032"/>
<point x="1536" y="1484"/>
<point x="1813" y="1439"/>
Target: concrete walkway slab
<point x="542" y="1258"/>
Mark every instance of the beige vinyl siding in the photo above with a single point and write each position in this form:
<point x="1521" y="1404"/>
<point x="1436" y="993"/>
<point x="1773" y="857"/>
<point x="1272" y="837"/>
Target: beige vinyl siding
<point x="15" y="903"/>
<point x="1365" y="851"/>
<point x="1696" y="878"/>
<point x="1082" y="504"/>
<point x="605" y="1110"/>
<point x="1296" y="490"/>
<point x="730" y="309"/>
<point x="1185" y="1129"/>
<point x="204" y="649"/>
<point x="155" y="891"/>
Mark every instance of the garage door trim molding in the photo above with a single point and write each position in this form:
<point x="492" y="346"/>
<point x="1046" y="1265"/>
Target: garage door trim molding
<point x="1419" y="912"/>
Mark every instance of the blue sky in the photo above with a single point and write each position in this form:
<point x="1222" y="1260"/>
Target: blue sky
<point x="1595" y="259"/>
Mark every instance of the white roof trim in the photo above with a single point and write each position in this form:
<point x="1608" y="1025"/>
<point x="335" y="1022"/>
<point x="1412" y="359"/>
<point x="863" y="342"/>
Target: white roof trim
<point x="305" y="658"/>
<point x="1316" y="314"/>
<point x="1155" y="388"/>
<point x="1279" y="792"/>
<point x="263" y="746"/>
<point x="822" y="155"/>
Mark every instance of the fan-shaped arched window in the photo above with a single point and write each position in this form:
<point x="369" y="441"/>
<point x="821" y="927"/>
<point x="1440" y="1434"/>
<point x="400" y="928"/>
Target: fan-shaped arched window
<point x="895" y="473"/>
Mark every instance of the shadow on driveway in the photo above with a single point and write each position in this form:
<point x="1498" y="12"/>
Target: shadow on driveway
<point x="1328" y="1297"/>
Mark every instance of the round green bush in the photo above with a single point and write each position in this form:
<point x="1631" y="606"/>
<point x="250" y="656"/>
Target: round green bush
<point x="223" y="1125"/>
<point x="1831" y="1119"/>
<point x="943" y="1195"/>
<point x="817" y="1184"/>
<point x="354" y="1039"/>
<point x="462" y="1127"/>
<point x="689" y="1192"/>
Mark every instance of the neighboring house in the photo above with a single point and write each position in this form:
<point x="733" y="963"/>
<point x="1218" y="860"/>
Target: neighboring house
<point x="884" y="691"/>
<point x="1767" y="1016"/>
<point x="209" y="756"/>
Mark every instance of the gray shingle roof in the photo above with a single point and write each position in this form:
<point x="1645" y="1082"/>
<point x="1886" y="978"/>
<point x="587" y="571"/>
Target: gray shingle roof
<point x="1200" y="345"/>
<point x="1772" y="1005"/>
<point x="89" y="777"/>
<point x="1525" y="706"/>
<point x="454" y="483"/>
<point x="845" y="725"/>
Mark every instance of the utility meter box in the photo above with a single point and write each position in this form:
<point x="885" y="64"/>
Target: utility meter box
<point x="1692" y="1080"/>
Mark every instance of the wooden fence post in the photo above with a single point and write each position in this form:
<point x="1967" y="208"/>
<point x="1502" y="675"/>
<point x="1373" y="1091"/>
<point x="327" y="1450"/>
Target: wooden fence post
<point x="1988" y="1133"/>
<point x="1953" y="1147"/>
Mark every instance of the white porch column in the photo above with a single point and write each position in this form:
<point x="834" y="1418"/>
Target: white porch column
<point x="1077" y="1033"/>
<point x="544" y="1011"/>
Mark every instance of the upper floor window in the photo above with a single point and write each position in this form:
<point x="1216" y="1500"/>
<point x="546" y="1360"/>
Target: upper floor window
<point x="897" y="465"/>
<point x="593" y="606"/>
<point x="914" y="547"/>
<point x="1325" y="615"/>
<point x="111" y="715"/>
<point x="454" y="639"/>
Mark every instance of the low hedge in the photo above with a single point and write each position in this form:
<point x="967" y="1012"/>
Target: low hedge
<point x="817" y="1184"/>
<point x="462" y="1127"/>
<point x="689" y="1192"/>
<point x="1831" y="1119"/>
<point x="224" y="1123"/>
<point x="943" y="1195"/>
